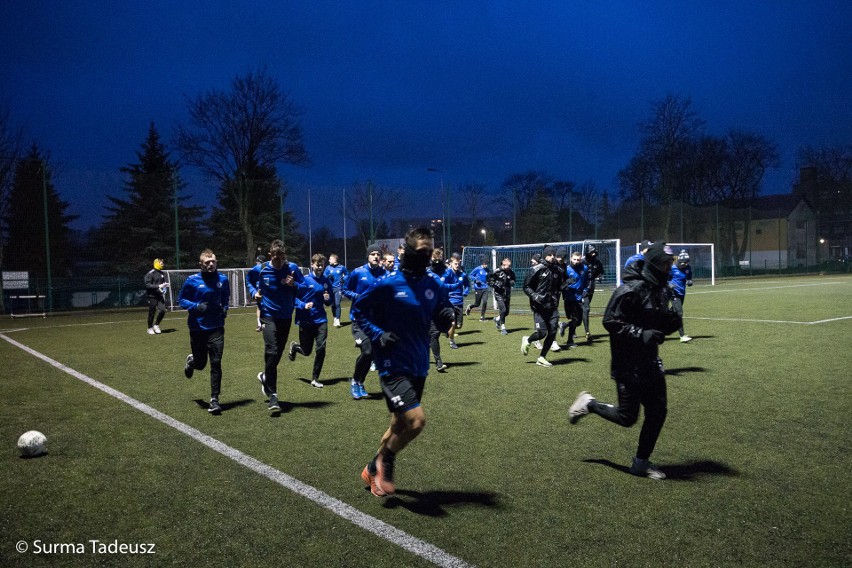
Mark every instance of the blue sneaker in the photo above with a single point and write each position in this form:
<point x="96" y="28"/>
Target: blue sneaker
<point x="354" y="390"/>
<point x="364" y="393"/>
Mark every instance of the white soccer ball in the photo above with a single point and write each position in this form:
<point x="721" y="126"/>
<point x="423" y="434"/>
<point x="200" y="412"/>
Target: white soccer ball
<point x="32" y="443"/>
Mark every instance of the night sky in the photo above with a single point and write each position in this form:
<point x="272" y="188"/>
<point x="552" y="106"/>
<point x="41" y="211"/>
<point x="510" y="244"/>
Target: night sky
<point x="479" y="90"/>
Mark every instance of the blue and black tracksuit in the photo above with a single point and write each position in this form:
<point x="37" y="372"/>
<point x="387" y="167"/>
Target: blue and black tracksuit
<point x="205" y="297"/>
<point x="356" y="284"/>
<point x="479" y="278"/>
<point x="337" y="275"/>
<point x="679" y="279"/>
<point x="313" y="323"/>
<point x="277" y="302"/>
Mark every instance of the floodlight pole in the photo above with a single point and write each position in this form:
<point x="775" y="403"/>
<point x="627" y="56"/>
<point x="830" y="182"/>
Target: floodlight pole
<point x="177" y="226"/>
<point x="46" y="237"/>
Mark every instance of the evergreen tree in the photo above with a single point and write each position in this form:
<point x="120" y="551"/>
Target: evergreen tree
<point x="25" y="220"/>
<point x="141" y="226"/>
<point x="539" y="223"/>
<point x="248" y="217"/>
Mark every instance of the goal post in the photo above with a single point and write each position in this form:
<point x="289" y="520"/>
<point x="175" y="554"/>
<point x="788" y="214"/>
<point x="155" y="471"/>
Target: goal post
<point x="609" y="254"/>
<point x="236" y="278"/>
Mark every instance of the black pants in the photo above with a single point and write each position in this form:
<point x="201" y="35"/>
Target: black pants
<point x="434" y="334"/>
<point x="365" y="359"/>
<point x="677" y="306"/>
<point x="647" y="389"/>
<point x="587" y="305"/>
<point x="156" y="306"/>
<point x="208" y="343"/>
<point x="308" y="334"/>
<point x="481" y="297"/>
<point x="503" y="306"/>
<point x="573" y="313"/>
<point x="275" y="333"/>
<point x="545" y="328"/>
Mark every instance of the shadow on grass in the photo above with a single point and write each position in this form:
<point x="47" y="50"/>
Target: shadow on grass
<point x="169" y="330"/>
<point x="681" y="370"/>
<point x="326" y="382"/>
<point x="462" y="363"/>
<point x="468" y="331"/>
<point x="226" y="406"/>
<point x="469" y="343"/>
<point x="686" y="471"/>
<point x="568" y="361"/>
<point x="432" y="503"/>
<point x="287" y="406"/>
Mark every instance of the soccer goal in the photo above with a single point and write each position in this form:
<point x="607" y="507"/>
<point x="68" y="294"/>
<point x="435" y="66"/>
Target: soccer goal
<point x="702" y="259"/>
<point x="236" y="278"/>
<point x="609" y="253"/>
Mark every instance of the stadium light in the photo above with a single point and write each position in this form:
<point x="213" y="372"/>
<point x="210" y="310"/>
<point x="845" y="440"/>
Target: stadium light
<point x="483" y="236"/>
<point x="445" y="204"/>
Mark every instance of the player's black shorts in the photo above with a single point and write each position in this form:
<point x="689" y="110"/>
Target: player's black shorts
<point x="458" y="310"/>
<point x="402" y="393"/>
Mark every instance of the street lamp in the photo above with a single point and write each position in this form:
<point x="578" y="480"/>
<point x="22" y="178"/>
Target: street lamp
<point x="483" y="236"/>
<point x="444" y="206"/>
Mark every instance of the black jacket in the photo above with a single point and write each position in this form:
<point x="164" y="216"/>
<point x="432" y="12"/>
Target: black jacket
<point x="542" y="286"/>
<point x="636" y="308"/>
<point x="152" y="283"/>
<point x="502" y="281"/>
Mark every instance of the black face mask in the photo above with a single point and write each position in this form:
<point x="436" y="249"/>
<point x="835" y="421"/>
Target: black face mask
<point x="415" y="261"/>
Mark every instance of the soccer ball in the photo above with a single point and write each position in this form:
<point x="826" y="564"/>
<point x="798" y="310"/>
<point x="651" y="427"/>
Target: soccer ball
<point x="32" y="443"/>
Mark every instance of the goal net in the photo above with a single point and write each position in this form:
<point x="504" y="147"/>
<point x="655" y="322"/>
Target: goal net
<point x="702" y="259"/>
<point x="236" y="279"/>
<point x="609" y="253"/>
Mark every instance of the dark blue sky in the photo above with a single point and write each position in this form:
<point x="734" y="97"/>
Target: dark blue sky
<point x="479" y="90"/>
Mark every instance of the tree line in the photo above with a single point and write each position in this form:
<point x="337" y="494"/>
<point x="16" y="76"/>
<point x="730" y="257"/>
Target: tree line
<point x="239" y="137"/>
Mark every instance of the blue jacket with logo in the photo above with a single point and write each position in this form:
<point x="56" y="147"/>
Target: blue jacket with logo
<point x="360" y="279"/>
<point x="312" y="290"/>
<point x="278" y="299"/>
<point x="677" y="279"/>
<point x="404" y="305"/>
<point x="336" y="275"/>
<point x="212" y="289"/>
<point x="479" y="275"/>
<point x="576" y="280"/>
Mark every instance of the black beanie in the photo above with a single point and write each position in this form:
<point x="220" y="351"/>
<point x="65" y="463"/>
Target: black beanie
<point x="548" y="250"/>
<point x="373" y="248"/>
<point x="660" y="256"/>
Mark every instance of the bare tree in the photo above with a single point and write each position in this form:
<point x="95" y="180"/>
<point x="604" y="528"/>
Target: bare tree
<point x="237" y="135"/>
<point x="370" y="206"/>
<point x="474" y="198"/>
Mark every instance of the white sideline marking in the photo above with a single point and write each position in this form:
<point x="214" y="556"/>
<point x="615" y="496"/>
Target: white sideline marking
<point x="767" y="288"/>
<point x="380" y="528"/>
<point x="769" y="321"/>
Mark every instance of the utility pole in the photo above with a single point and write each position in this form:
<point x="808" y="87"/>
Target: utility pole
<point x="46" y="237"/>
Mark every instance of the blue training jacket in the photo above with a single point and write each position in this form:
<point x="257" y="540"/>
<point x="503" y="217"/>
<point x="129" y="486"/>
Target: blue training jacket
<point x="212" y="288"/>
<point x="580" y="276"/>
<point x="336" y="275"/>
<point x="360" y="279"/>
<point x="278" y="299"/>
<point x="312" y="290"/>
<point x="404" y="305"/>
<point x="678" y="278"/>
<point x="479" y="276"/>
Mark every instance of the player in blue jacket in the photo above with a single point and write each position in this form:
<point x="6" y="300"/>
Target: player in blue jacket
<point x="643" y="248"/>
<point x="336" y="274"/>
<point x="679" y="279"/>
<point x="313" y="295"/>
<point x="205" y="296"/>
<point x="459" y="287"/>
<point x="479" y="277"/>
<point x="252" y="279"/>
<point x="358" y="281"/>
<point x="277" y="285"/>
<point x="573" y="291"/>
<point x="395" y="313"/>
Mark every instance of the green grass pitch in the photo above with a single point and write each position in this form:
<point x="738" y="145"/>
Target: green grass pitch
<point x="756" y="446"/>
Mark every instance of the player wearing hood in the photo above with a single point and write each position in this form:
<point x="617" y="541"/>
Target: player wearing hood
<point x="638" y="319"/>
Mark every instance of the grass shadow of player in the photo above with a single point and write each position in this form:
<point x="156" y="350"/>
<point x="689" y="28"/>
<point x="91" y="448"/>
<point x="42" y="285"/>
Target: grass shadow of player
<point x="687" y="471"/>
<point x="568" y="361"/>
<point x="287" y="406"/>
<point x="468" y="331"/>
<point x="463" y="363"/>
<point x="226" y="406"/>
<point x="469" y="343"/>
<point x="169" y="330"/>
<point x="676" y="372"/>
<point x="433" y="503"/>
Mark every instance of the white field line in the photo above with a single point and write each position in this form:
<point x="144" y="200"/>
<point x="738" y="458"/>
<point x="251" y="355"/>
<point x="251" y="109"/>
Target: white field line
<point x="134" y="322"/>
<point x="766" y="288"/>
<point x="746" y="320"/>
<point x="388" y="532"/>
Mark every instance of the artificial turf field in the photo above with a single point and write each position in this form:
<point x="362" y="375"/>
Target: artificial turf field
<point x="756" y="446"/>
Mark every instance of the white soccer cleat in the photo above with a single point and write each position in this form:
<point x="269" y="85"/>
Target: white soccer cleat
<point x="580" y="407"/>
<point x="156" y="329"/>
<point x="151" y="331"/>
<point x="525" y="345"/>
<point x="555" y="347"/>
<point x="537" y="345"/>
<point x="685" y="339"/>
<point x="542" y="362"/>
<point x="644" y="468"/>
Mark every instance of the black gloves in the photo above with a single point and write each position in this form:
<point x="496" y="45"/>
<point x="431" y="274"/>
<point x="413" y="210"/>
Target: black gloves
<point x="201" y="307"/>
<point x="388" y="338"/>
<point x="650" y="336"/>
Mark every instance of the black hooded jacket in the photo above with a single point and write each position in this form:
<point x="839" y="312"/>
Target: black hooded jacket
<point x="542" y="286"/>
<point x="639" y="305"/>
